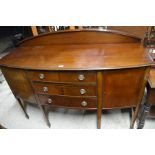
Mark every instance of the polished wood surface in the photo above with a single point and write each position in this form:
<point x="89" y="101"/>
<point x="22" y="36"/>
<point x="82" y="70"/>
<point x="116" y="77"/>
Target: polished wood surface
<point x="116" y="81"/>
<point x="48" y="76"/>
<point x="64" y="89"/>
<point x="100" y="98"/>
<point x="76" y="90"/>
<point x="47" y="88"/>
<point x="103" y="49"/>
<point x="69" y="102"/>
<point x="78" y="57"/>
<point x="89" y="76"/>
<point x="79" y="69"/>
<point x="81" y="36"/>
<point x="138" y="31"/>
<point x="19" y="84"/>
<point x="55" y="76"/>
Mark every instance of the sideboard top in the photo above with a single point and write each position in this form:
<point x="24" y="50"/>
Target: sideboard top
<point x="78" y="50"/>
<point x="78" y="57"/>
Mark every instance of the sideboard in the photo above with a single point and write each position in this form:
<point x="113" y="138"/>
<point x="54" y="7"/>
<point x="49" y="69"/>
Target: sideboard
<point x="82" y="69"/>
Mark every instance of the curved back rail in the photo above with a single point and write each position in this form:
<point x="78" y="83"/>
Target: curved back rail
<point x="81" y="37"/>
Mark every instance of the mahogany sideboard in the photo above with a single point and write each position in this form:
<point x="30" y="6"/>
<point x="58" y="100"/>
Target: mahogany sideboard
<point x="83" y="69"/>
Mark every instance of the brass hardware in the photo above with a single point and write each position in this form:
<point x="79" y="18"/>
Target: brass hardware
<point x="81" y="77"/>
<point x="82" y="91"/>
<point x="50" y="100"/>
<point x="41" y="76"/>
<point x="84" y="103"/>
<point x="45" y="89"/>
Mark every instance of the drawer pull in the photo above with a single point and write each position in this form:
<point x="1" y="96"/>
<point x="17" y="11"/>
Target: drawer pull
<point x="50" y="100"/>
<point x="41" y="76"/>
<point x="82" y="91"/>
<point x="81" y="77"/>
<point x="84" y="103"/>
<point x="45" y="89"/>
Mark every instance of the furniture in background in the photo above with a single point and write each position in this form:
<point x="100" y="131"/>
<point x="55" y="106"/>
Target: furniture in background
<point x="139" y="31"/>
<point x="36" y="30"/>
<point x="81" y="69"/>
<point x="148" y="107"/>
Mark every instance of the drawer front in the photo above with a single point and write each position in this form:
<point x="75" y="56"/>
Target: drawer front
<point x="78" y="76"/>
<point x="79" y="90"/>
<point x="47" y="88"/>
<point x="43" y="76"/>
<point x="74" y="76"/>
<point x="71" y="102"/>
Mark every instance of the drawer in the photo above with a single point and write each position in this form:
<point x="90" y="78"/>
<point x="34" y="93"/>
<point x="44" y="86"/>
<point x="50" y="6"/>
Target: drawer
<point x="79" y="76"/>
<point x="74" y="76"/>
<point x="71" y="102"/>
<point x="43" y="76"/>
<point x="79" y="90"/>
<point x="47" y="88"/>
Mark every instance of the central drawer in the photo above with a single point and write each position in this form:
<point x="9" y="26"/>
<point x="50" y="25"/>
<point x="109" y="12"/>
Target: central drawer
<point x="71" y="102"/>
<point x="62" y="76"/>
<point x="62" y="89"/>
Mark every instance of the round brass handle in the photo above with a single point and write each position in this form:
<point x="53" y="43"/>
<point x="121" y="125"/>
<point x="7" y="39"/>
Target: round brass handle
<point x="84" y="103"/>
<point x="45" y="89"/>
<point x="50" y="100"/>
<point x="81" y="77"/>
<point x="41" y="76"/>
<point x="82" y="91"/>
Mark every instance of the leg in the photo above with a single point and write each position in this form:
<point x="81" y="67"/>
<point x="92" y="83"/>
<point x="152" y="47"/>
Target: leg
<point x="100" y="98"/>
<point x="134" y="116"/>
<point x="45" y="115"/>
<point x="145" y="110"/>
<point x="23" y="107"/>
<point x="99" y="115"/>
<point x="131" y="112"/>
<point x="43" y="110"/>
<point x="84" y="111"/>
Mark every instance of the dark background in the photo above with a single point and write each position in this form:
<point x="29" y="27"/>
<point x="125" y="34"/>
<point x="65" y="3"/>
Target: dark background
<point x="13" y="30"/>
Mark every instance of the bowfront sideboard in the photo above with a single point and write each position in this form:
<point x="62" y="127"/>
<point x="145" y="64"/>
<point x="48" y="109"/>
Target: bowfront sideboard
<point x="83" y="69"/>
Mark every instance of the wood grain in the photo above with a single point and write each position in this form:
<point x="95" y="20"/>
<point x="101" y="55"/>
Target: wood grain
<point x="78" y="57"/>
<point x="81" y="36"/>
<point x="19" y="84"/>
<point x="68" y="102"/>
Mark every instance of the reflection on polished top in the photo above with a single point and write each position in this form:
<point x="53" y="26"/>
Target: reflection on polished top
<point x="79" y="50"/>
<point x="68" y="57"/>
